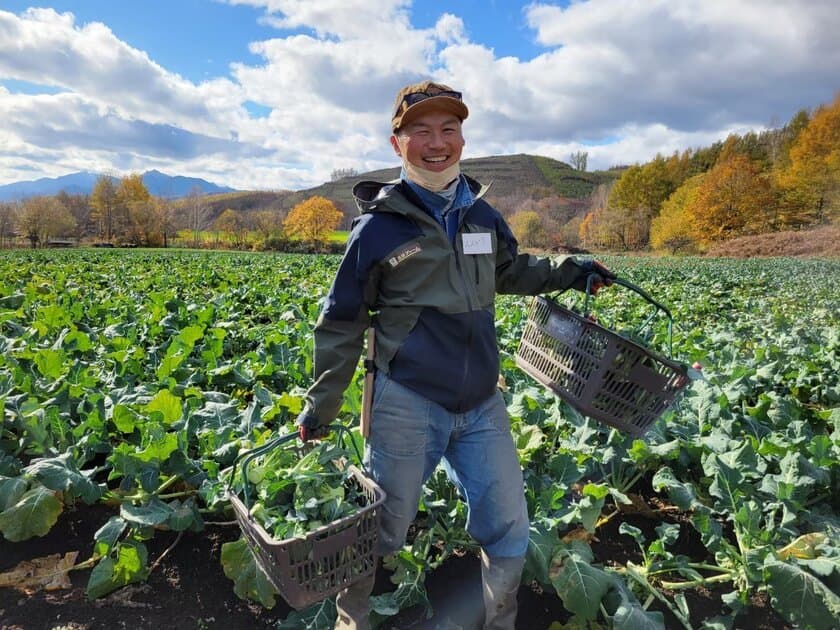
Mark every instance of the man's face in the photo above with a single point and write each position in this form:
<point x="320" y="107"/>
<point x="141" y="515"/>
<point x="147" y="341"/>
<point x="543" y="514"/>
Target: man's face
<point x="432" y="141"/>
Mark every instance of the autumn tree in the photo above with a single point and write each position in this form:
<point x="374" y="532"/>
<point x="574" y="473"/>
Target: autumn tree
<point x="135" y="212"/>
<point x="733" y="198"/>
<point x="605" y="228"/>
<point x="636" y="198"/>
<point x="151" y="221"/>
<point x="313" y="220"/>
<point x="790" y="135"/>
<point x="811" y="185"/>
<point x="228" y="222"/>
<point x="43" y="218"/>
<point x="197" y="213"/>
<point x="8" y="218"/>
<point x="79" y="207"/>
<point x="103" y="201"/>
<point x="165" y="214"/>
<point x="528" y="229"/>
<point x="267" y="223"/>
<point x="672" y="230"/>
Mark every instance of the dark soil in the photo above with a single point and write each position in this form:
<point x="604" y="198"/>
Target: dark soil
<point x="188" y="589"/>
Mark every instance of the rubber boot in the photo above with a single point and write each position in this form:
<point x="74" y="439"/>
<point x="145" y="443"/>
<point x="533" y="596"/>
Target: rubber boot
<point x="500" y="579"/>
<point x="353" y="605"/>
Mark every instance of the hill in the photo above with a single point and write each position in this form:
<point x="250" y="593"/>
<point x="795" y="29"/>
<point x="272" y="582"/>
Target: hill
<point x="510" y="176"/>
<point x="157" y="183"/>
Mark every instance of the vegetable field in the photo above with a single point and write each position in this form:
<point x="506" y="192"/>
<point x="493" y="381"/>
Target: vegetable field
<point x="131" y="380"/>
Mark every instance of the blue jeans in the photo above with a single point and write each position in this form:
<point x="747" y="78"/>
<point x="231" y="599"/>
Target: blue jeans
<point x="410" y="435"/>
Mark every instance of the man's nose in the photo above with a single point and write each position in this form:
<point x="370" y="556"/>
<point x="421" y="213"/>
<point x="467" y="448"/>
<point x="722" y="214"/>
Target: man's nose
<point x="436" y="139"/>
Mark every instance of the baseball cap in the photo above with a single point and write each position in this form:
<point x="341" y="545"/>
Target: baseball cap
<point x="420" y="98"/>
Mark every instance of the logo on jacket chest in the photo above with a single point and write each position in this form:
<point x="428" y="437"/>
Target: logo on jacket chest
<point x="400" y="257"/>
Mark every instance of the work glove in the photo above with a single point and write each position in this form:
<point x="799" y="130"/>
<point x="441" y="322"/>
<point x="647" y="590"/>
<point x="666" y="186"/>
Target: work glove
<point x="309" y="428"/>
<point x="602" y="277"/>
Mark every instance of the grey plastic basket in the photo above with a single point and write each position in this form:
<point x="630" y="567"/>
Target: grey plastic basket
<point x="603" y="375"/>
<point x="327" y="560"/>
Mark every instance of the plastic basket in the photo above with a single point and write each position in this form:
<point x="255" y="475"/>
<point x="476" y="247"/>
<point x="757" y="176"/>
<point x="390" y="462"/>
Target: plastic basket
<point x="603" y="375"/>
<point x="327" y="560"/>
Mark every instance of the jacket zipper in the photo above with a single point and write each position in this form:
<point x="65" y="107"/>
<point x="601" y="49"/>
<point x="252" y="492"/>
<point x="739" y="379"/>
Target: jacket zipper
<point x="460" y="269"/>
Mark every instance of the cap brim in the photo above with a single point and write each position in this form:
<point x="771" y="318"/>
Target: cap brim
<point x="434" y="103"/>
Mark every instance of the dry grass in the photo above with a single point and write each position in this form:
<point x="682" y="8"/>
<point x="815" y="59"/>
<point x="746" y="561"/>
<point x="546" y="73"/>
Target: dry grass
<point x="821" y="242"/>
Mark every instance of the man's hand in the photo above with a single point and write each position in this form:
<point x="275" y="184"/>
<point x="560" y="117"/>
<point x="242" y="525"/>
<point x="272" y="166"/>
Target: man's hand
<point x="601" y="276"/>
<point x="306" y="434"/>
<point x="310" y="429"/>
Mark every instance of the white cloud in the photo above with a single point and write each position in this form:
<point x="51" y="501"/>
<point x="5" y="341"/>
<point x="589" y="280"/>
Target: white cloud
<point x="620" y="79"/>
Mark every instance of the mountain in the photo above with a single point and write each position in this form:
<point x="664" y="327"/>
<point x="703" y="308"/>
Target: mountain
<point x="73" y="184"/>
<point x="172" y="186"/>
<point x="158" y="184"/>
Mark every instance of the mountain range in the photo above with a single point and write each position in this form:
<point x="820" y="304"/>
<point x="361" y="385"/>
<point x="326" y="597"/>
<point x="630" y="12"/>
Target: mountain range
<point x="157" y="183"/>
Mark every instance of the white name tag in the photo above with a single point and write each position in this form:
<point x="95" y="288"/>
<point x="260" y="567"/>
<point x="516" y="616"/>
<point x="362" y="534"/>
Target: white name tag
<point x="479" y="243"/>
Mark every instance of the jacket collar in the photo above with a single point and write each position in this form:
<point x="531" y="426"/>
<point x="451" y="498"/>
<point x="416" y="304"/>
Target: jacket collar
<point x="395" y="196"/>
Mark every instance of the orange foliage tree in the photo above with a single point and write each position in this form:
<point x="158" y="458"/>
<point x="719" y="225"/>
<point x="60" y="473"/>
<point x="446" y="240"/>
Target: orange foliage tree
<point x="313" y="220"/>
<point x="734" y="198"/>
<point x="811" y="184"/>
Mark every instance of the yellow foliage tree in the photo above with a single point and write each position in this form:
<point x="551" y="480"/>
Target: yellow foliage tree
<point x="44" y="218"/>
<point x="228" y="222"/>
<point x="672" y="229"/>
<point x="313" y="220"/>
<point x="733" y="198"/>
<point x="134" y="215"/>
<point x="528" y="229"/>
<point x="811" y="184"/>
<point x="132" y="188"/>
<point x="103" y="200"/>
<point x="637" y="197"/>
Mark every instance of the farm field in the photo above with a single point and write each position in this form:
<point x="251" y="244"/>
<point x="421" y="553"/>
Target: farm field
<point x="130" y="381"/>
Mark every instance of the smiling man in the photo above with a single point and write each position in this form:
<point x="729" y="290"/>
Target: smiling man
<point x="423" y="265"/>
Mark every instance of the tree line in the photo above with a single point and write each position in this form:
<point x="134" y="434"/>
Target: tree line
<point x="122" y="212"/>
<point x="779" y="179"/>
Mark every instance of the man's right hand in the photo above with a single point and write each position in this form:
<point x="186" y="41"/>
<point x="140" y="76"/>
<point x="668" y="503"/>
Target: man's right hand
<point x="306" y="433"/>
<point x="602" y="277"/>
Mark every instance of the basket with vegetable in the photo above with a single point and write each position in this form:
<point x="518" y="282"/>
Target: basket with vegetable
<point x="311" y="523"/>
<point x="610" y="376"/>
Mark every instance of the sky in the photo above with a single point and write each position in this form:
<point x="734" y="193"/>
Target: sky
<point x="278" y="94"/>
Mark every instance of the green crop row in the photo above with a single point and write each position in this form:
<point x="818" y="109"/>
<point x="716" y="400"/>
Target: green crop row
<point x="135" y="378"/>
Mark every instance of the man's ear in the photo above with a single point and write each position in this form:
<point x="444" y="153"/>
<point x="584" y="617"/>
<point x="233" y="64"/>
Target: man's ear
<point x="396" y="144"/>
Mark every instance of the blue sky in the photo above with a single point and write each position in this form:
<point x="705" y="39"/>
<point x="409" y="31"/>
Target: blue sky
<point x="275" y="94"/>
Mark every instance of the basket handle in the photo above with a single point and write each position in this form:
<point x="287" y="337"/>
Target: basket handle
<point x="643" y="294"/>
<point x="248" y="456"/>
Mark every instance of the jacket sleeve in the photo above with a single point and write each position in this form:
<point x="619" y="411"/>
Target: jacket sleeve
<point x="524" y="274"/>
<point x="339" y="336"/>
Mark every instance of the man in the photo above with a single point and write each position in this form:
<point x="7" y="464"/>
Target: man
<point x="427" y="256"/>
